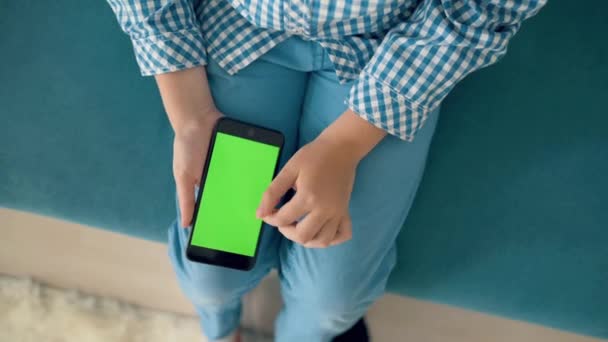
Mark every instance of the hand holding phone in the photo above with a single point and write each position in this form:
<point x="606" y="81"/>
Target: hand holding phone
<point x="241" y="163"/>
<point x="190" y="147"/>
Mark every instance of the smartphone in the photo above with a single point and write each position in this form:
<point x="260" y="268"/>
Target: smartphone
<point x="240" y="165"/>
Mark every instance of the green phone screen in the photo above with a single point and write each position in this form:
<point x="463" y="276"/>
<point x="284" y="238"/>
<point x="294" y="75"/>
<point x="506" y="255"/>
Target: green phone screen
<point x="239" y="172"/>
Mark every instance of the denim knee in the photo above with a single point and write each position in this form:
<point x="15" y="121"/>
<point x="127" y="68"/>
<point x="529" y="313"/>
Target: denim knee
<point x="331" y="286"/>
<point x="335" y="304"/>
<point x="204" y="285"/>
<point x="210" y="286"/>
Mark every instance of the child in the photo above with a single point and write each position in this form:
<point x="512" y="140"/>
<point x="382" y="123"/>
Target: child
<point x="354" y="86"/>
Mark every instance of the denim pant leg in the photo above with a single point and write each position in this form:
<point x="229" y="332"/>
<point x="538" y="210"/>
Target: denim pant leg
<point x="269" y="93"/>
<point x="327" y="290"/>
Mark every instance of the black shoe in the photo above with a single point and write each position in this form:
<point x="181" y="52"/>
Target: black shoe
<point x="357" y="333"/>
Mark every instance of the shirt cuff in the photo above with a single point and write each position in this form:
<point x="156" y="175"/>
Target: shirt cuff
<point x="170" y="51"/>
<point x="385" y="108"/>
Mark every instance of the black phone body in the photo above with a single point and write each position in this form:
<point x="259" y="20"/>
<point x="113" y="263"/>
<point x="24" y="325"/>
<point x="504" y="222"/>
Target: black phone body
<point x="241" y="162"/>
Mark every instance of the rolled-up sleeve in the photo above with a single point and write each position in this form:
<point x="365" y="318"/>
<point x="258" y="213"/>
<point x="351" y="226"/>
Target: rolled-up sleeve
<point x="420" y="60"/>
<point x="166" y="35"/>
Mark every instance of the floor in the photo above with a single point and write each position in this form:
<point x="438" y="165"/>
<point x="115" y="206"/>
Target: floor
<point x="33" y="312"/>
<point x="95" y="261"/>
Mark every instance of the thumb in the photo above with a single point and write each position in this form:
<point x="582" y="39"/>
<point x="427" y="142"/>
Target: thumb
<point x="185" y="198"/>
<point x="279" y="186"/>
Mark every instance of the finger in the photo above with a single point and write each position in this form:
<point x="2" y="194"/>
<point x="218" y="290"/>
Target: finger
<point x="279" y="186"/>
<point x="288" y="232"/>
<point x="289" y="213"/>
<point x="302" y="233"/>
<point x="325" y="236"/>
<point x="185" y="198"/>
<point x="344" y="233"/>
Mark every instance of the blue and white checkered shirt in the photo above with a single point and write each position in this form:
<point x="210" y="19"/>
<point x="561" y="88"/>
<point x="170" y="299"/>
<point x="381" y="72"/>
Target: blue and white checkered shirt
<point x="404" y="56"/>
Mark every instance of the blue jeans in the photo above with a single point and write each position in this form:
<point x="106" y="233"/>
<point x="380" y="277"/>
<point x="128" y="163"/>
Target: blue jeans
<point x="293" y="88"/>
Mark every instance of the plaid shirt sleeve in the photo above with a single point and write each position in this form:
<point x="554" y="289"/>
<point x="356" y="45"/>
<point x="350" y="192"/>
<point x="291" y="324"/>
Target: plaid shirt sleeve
<point x="419" y="61"/>
<point x="166" y="35"/>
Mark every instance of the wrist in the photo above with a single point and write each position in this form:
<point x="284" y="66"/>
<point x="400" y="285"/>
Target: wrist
<point x="353" y="135"/>
<point x="193" y="123"/>
<point x="187" y="99"/>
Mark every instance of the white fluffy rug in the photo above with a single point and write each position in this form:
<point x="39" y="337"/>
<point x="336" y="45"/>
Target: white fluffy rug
<point x="31" y="312"/>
